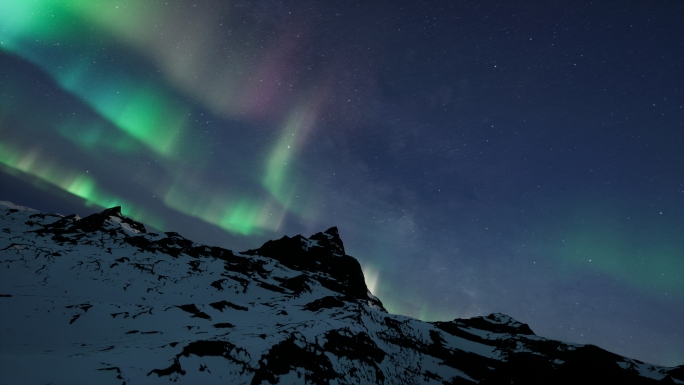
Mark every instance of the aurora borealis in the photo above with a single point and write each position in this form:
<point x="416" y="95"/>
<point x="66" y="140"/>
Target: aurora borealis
<point x="521" y="158"/>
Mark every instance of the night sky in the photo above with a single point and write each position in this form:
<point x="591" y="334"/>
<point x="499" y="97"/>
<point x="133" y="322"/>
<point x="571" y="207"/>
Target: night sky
<point x="522" y="157"/>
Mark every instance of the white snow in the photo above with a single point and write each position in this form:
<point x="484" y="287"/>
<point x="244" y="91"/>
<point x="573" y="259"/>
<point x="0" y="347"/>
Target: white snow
<point x="103" y="304"/>
<point x="10" y="205"/>
<point x="123" y="225"/>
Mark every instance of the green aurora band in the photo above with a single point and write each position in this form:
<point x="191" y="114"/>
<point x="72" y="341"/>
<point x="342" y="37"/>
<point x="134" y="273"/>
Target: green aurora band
<point x="236" y="213"/>
<point x="602" y="239"/>
<point x="23" y="163"/>
<point x="278" y="178"/>
<point x="49" y="33"/>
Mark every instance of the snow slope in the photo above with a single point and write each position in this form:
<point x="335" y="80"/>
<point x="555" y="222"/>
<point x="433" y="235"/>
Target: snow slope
<point x="100" y="300"/>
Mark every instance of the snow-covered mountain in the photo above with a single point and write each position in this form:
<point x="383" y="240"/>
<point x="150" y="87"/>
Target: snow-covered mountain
<point x="99" y="300"/>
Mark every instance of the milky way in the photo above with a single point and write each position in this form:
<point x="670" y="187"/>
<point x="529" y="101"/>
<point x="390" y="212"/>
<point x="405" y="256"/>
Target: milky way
<point x="516" y="158"/>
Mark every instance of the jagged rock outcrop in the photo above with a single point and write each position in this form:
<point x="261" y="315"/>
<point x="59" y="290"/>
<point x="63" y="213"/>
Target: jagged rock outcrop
<point x="100" y="300"/>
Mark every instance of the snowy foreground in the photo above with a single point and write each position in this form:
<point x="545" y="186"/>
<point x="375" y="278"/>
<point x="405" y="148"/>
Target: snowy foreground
<point x="98" y="300"/>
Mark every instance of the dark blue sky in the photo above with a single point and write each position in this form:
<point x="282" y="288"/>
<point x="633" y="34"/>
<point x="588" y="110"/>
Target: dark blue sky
<point x="520" y="157"/>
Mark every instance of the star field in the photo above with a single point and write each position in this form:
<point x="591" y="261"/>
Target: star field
<point x="523" y="158"/>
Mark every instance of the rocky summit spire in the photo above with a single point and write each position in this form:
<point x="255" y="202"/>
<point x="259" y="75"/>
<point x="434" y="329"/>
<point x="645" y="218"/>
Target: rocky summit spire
<point x="330" y="238"/>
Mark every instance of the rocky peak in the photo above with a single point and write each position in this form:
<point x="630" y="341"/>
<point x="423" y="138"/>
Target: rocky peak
<point x="322" y="253"/>
<point x="331" y="240"/>
<point x="106" y="218"/>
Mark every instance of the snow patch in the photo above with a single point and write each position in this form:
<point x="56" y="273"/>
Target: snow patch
<point x="10" y="205"/>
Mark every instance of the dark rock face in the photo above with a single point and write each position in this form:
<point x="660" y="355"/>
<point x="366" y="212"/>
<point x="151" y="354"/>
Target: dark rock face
<point x="161" y="308"/>
<point x="328" y="302"/>
<point x="95" y="222"/>
<point x="325" y="254"/>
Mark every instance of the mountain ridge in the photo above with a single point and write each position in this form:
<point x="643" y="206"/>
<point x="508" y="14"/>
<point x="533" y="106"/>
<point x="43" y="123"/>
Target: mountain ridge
<point x="126" y="306"/>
